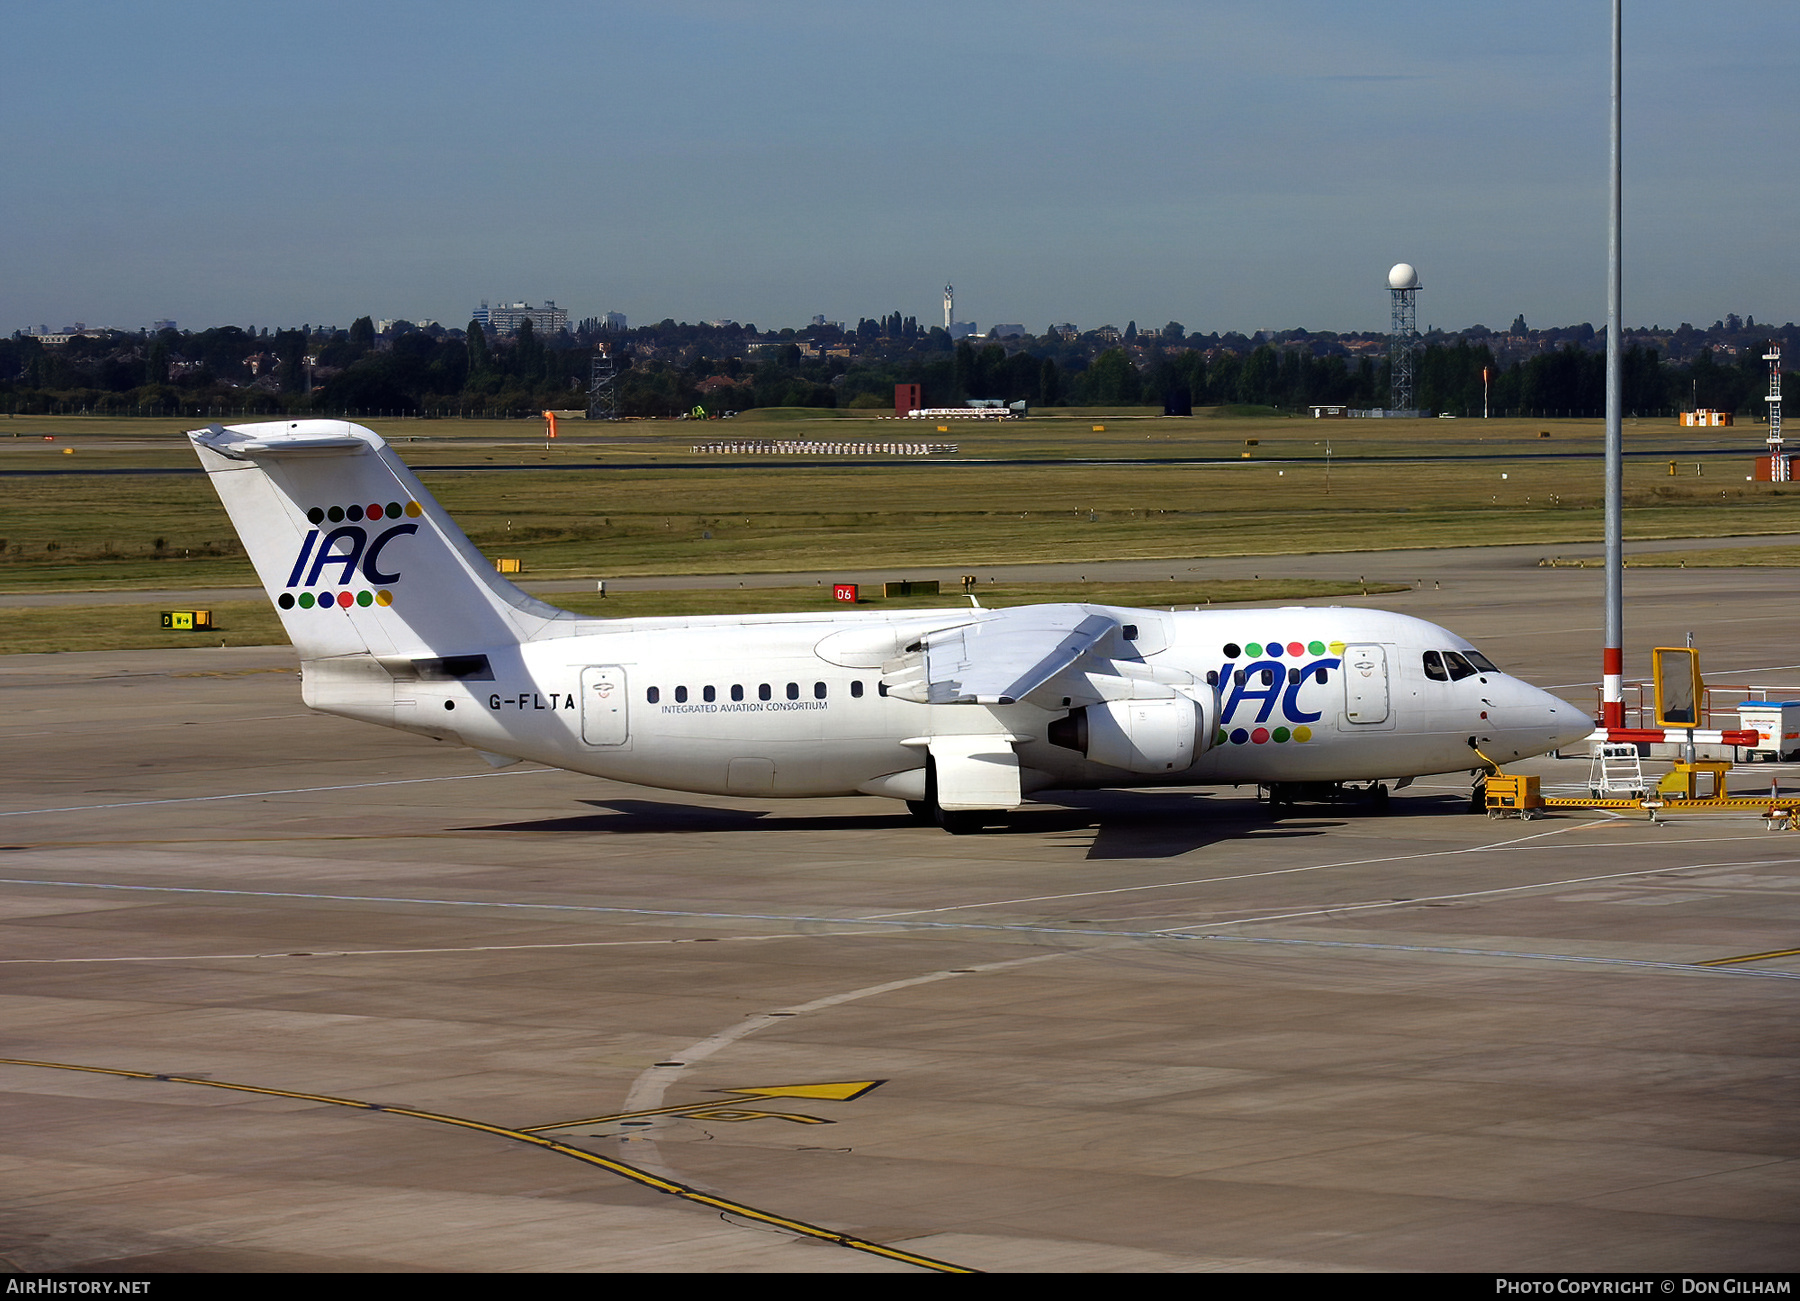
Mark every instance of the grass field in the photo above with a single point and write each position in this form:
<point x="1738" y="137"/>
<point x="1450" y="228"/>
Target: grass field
<point x="254" y="623"/>
<point x="1247" y="485"/>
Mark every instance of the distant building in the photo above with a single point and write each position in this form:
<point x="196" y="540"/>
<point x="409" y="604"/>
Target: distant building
<point x="1006" y="332"/>
<point x="505" y="318"/>
<point x="1706" y="417"/>
<point x="157" y="327"/>
<point x="961" y="329"/>
<point x="613" y="320"/>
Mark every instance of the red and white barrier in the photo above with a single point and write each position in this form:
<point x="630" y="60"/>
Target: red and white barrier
<point x="1676" y="735"/>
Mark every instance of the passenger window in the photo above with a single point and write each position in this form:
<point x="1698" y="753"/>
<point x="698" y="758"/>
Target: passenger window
<point x="818" y="691"/>
<point x="1237" y="677"/>
<point x="763" y="692"/>
<point x="1322" y="673"/>
<point x="1434" y="667"/>
<point x="1460" y="668"/>
<point x="793" y="691"/>
<point x="1293" y="676"/>
<point x="653" y="695"/>
<point x="881" y="688"/>
<point x="708" y="694"/>
<point x="1268" y="677"/>
<point x="856" y="688"/>
<point x="1212" y="677"/>
<point x="737" y="692"/>
<point x="681" y="695"/>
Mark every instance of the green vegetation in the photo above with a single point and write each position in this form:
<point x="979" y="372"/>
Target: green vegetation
<point x="254" y="623"/>
<point x="1723" y="558"/>
<point x="1080" y="495"/>
<point x="668" y="368"/>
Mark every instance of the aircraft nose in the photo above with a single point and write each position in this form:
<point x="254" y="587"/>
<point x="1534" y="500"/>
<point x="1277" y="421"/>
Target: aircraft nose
<point x="1554" y="718"/>
<point x="1568" y="725"/>
<point x="1536" y="722"/>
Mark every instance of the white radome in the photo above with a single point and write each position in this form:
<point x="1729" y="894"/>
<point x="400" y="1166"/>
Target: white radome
<point x="1403" y="276"/>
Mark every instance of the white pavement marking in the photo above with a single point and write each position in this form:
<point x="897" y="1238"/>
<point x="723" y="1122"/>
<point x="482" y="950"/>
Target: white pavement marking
<point x="646" y="1093"/>
<point x="298" y="790"/>
<point x="1241" y="876"/>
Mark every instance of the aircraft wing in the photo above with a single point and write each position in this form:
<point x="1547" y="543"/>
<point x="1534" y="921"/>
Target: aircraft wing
<point x="1003" y="658"/>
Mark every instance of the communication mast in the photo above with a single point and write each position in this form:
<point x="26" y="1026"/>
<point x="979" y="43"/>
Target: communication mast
<point x="1778" y="466"/>
<point x="603" y="393"/>
<point x="949" y="306"/>
<point x="1403" y="337"/>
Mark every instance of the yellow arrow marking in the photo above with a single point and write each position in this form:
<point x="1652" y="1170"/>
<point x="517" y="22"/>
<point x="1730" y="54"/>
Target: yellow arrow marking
<point x="838" y="1091"/>
<point x="635" y="1175"/>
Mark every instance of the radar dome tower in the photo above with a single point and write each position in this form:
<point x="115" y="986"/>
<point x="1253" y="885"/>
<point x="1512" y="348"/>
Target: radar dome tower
<point x="1403" y="337"/>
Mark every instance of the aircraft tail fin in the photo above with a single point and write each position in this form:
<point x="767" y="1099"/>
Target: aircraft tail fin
<point x="356" y="555"/>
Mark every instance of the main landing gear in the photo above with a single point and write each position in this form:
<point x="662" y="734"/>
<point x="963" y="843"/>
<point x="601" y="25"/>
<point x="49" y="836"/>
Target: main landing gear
<point x="958" y="822"/>
<point x="1283" y="796"/>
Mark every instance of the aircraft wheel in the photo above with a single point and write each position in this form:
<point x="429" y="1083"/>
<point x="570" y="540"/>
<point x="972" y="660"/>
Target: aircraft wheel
<point x="922" y="812"/>
<point x="1279" y="802"/>
<point x="1478" y="798"/>
<point x="959" y="824"/>
<point x="1379" y="798"/>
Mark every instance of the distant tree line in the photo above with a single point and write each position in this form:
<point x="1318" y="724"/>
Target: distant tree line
<point x="669" y="368"/>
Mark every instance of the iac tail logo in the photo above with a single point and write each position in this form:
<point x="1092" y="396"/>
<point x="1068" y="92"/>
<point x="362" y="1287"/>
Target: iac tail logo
<point x="348" y="554"/>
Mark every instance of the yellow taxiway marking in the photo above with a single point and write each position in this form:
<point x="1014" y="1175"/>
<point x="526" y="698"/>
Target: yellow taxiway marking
<point x="835" y="1091"/>
<point x="1749" y="957"/>
<point x="632" y="1173"/>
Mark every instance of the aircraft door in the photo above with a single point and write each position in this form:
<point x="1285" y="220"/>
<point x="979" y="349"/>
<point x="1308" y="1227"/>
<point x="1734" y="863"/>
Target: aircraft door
<point x="604" y="700"/>
<point x="1365" y="684"/>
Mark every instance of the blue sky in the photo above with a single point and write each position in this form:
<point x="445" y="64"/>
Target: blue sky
<point x="1227" y="165"/>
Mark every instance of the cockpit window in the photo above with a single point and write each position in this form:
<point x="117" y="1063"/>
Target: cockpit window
<point x="1434" y="667"/>
<point x="1481" y="661"/>
<point x="1459" y="667"/>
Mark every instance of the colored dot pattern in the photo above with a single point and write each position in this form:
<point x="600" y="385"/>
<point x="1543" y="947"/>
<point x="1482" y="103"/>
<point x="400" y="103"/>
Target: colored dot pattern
<point x="1275" y="649"/>
<point x="358" y="512"/>
<point x="335" y="600"/>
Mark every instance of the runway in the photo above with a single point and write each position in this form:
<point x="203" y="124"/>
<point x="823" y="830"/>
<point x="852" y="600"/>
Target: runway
<point x="344" y="999"/>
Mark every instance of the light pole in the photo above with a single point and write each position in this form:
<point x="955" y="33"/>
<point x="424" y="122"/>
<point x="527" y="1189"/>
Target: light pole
<point x="1612" y="654"/>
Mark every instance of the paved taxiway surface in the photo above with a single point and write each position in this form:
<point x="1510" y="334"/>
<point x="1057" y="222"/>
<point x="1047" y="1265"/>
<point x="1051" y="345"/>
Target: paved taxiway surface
<point x="1134" y="1031"/>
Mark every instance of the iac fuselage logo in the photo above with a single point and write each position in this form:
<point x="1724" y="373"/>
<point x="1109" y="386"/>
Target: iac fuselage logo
<point x="344" y="550"/>
<point x="1274" y="677"/>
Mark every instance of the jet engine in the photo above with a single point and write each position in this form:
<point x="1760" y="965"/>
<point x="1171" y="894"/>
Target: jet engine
<point x="1145" y="736"/>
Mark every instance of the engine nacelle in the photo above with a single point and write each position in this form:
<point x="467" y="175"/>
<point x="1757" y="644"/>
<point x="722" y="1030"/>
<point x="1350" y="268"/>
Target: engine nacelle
<point x="1146" y="736"/>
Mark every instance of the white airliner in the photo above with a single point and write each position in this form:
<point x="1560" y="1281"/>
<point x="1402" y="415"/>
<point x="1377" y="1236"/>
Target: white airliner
<point x="961" y="712"/>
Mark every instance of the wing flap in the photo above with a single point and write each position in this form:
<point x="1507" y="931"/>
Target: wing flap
<point x="999" y="660"/>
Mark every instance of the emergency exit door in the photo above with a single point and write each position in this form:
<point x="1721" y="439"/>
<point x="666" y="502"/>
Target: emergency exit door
<point x="604" y="705"/>
<point x="1365" y="675"/>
